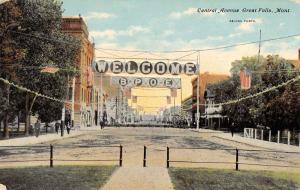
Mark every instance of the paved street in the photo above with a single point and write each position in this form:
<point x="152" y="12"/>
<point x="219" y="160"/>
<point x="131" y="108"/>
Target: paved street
<point x="156" y="140"/>
<point x="155" y="176"/>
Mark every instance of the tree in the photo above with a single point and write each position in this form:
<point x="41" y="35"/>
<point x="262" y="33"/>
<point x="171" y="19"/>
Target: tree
<point x="281" y="106"/>
<point x="44" y="19"/>
<point x="44" y="45"/>
<point x="277" y="109"/>
<point x="9" y="55"/>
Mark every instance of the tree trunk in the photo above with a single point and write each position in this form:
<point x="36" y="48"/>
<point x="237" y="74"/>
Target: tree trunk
<point x="5" y="129"/>
<point x="28" y="108"/>
<point x="27" y="115"/>
<point x="19" y="122"/>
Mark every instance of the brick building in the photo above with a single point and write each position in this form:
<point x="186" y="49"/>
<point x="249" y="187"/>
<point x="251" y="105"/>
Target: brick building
<point x="205" y="79"/>
<point x="296" y="62"/>
<point x="86" y="94"/>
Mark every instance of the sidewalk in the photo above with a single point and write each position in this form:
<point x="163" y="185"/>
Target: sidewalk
<point x="131" y="178"/>
<point x="23" y="141"/>
<point x="258" y="143"/>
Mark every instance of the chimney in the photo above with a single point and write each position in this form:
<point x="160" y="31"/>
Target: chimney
<point x="299" y="54"/>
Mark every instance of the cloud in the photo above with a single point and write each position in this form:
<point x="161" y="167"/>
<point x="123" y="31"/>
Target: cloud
<point x="281" y="24"/>
<point x="297" y="38"/>
<point x="98" y="16"/>
<point x="233" y="35"/>
<point x="168" y="33"/>
<point x="249" y="26"/>
<point x="296" y="1"/>
<point x="214" y="38"/>
<point x="191" y="11"/>
<point x="188" y="12"/>
<point x="112" y="34"/>
<point x="132" y="30"/>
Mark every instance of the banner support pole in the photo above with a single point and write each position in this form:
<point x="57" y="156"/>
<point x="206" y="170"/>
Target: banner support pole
<point x="198" y="92"/>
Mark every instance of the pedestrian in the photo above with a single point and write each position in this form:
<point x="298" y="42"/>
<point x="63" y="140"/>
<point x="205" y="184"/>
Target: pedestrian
<point x="68" y="128"/>
<point x="232" y="129"/>
<point x="37" y="127"/>
<point x="56" y="127"/>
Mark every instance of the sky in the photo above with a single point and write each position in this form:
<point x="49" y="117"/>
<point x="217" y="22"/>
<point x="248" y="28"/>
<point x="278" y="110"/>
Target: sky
<point x="167" y="25"/>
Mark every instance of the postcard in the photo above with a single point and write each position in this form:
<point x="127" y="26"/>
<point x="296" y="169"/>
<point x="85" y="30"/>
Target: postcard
<point x="149" y="95"/>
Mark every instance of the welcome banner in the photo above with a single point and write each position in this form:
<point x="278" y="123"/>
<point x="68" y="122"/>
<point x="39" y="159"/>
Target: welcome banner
<point x="146" y="67"/>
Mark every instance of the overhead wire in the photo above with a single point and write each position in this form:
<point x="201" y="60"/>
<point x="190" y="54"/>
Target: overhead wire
<point x="208" y="49"/>
<point x="142" y="58"/>
<point x="174" y="51"/>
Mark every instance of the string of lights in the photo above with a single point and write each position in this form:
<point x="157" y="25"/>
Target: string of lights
<point x="38" y="67"/>
<point x="218" y="104"/>
<point x="77" y="70"/>
<point x="37" y="94"/>
<point x="259" y="93"/>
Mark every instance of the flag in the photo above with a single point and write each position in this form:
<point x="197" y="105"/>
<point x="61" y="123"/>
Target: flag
<point x="173" y="92"/>
<point x="245" y="79"/>
<point x="49" y="70"/>
<point x="168" y="99"/>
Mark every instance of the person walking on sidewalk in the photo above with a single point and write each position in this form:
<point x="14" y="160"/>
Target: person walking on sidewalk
<point x="56" y="127"/>
<point x="37" y="127"/>
<point x="68" y="128"/>
<point x="232" y="128"/>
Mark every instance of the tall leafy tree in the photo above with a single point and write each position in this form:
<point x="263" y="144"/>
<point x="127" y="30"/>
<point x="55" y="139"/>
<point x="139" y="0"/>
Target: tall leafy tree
<point x="277" y="109"/>
<point x="10" y="54"/>
<point x="44" y="44"/>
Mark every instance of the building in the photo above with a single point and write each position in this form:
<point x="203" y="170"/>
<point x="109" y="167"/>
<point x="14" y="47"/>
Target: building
<point x="86" y="96"/>
<point x="187" y="108"/>
<point x="296" y="62"/>
<point x="212" y="113"/>
<point x="205" y="79"/>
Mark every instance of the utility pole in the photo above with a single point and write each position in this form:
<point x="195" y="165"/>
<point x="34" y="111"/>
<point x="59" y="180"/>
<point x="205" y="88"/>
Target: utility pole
<point x="198" y="96"/>
<point x="174" y="107"/>
<point x="101" y="99"/>
<point x="73" y="102"/>
<point x="116" y="118"/>
<point x="181" y="107"/>
<point x="63" y="111"/>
